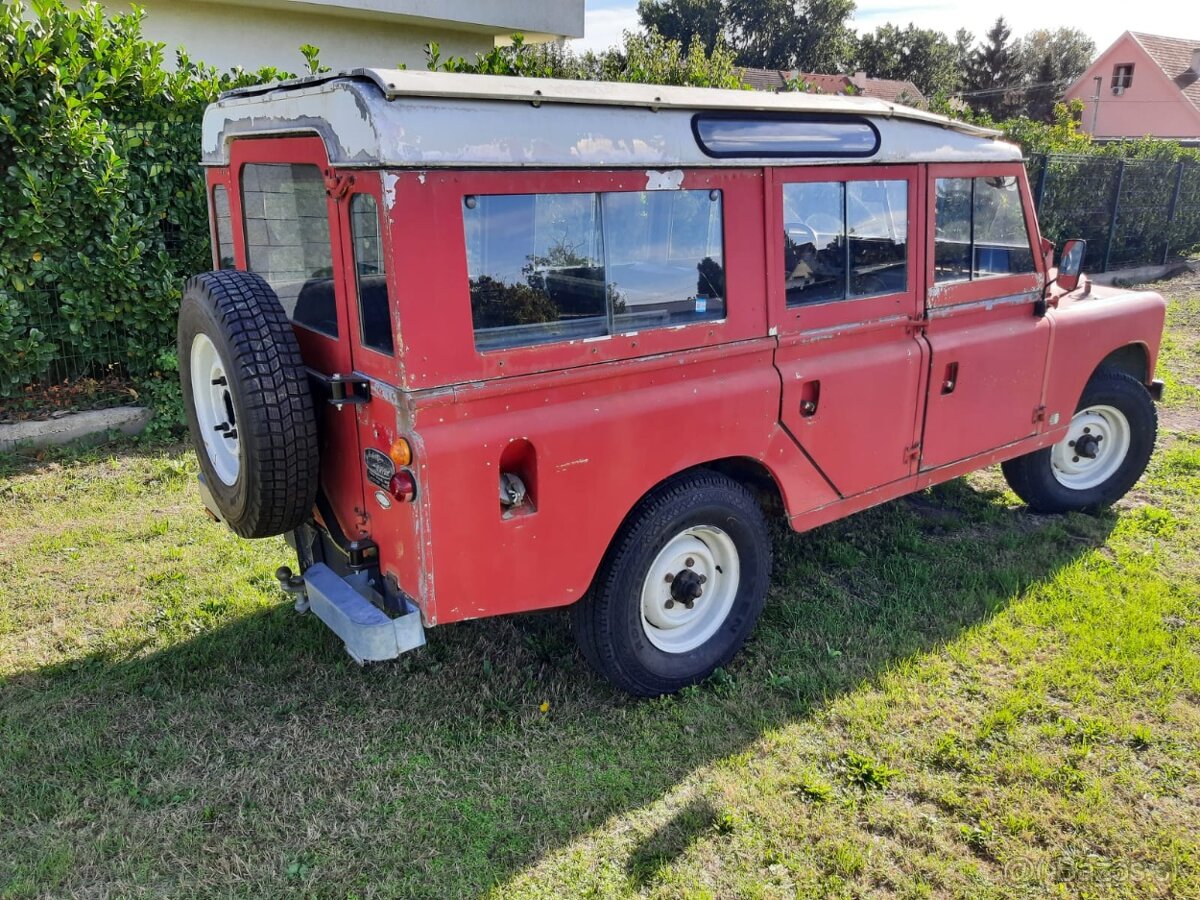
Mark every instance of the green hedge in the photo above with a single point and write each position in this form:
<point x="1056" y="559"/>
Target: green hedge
<point x="102" y="211"/>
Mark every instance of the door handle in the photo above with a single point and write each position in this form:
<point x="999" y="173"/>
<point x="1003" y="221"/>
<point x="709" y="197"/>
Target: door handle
<point x="950" y="380"/>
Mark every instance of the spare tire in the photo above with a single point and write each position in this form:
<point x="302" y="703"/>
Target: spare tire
<point x="248" y="402"/>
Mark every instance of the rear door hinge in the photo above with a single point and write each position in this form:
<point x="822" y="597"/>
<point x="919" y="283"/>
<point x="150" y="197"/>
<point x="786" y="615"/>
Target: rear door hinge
<point x="914" y="326"/>
<point x="337" y="185"/>
<point x="912" y="452"/>
<point x="341" y="390"/>
<point x="1039" y="414"/>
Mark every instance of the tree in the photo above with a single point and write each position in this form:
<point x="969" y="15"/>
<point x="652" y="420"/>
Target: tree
<point x="923" y="56"/>
<point x="773" y="34"/>
<point x="994" y="73"/>
<point x="1050" y="61"/>
<point x="683" y="20"/>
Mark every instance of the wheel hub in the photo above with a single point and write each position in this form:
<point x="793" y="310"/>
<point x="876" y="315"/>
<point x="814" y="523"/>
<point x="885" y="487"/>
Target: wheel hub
<point x="1096" y="445"/>
<point x="686" y="588"/>
<point x="1087" y="446"/>
<point x="689" y="589"/>
<point x="215" y="415"/>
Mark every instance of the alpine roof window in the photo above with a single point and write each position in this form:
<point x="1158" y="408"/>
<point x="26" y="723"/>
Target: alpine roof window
<point x="795" y="135"/>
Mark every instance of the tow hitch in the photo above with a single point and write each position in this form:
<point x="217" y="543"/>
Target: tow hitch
<point x="353" y="610"/>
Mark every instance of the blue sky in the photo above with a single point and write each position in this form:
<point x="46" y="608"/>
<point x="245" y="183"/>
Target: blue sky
<point x="1103" y="21"/>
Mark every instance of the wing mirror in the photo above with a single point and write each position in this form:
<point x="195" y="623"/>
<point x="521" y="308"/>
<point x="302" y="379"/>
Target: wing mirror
<point x="1070" y="264"/>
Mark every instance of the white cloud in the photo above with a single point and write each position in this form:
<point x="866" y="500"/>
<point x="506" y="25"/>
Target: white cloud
<point x="602" y="27"/>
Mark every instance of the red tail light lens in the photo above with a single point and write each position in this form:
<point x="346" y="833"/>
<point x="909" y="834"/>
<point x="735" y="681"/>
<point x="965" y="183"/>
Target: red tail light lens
<point x="403" y="487"/>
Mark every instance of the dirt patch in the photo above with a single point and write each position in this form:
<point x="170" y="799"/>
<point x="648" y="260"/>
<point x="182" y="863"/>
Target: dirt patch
<point x="48" y="401"/>
<point x="1179" y="418"/>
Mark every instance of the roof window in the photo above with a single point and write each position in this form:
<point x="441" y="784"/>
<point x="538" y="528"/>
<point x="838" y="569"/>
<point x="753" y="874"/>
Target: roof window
<point x="795" y="135"/>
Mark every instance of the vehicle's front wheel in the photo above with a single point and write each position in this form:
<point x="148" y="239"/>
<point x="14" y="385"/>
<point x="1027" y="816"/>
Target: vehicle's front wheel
<point x="1105" y="452"/>
<point x="681" y="588"/>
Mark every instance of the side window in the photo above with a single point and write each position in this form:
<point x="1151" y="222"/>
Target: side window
<point x="1001" y="240"/>
<point x="287" y="240"/>
<point x="665" y="263"/>
<point x="551" y="267"/>
<point x="374" y="306"/>
<point x="535" y="264"/>
<point x="980" y="229"/>
<point x="223" y="237"/>
<point x="844" y="240"/>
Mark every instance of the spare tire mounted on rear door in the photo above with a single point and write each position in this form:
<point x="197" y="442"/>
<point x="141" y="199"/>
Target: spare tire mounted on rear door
<point x="248" y="403"/>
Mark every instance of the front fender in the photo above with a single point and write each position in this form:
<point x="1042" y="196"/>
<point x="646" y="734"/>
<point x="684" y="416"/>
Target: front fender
<point x="1090" y="328"/>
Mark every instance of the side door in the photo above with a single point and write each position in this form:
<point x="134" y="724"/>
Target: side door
<point x="988" y="342"/>
<point x="288" y="202"/>
<point x="845" y="277"/>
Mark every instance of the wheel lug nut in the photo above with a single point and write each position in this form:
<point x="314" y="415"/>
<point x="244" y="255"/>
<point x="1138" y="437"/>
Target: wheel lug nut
<point x="690" y="604"/>
<point x="1074" y="459"/>
<point x="1087" y="431"/>
<point x="689" y="562"/>
<point x="704" y="579"/>
<point x="1070" y="443"/>
<point x="670" y="578"/>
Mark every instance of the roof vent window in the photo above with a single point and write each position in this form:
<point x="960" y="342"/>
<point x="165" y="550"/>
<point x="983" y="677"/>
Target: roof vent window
<point x="796" y="135"/>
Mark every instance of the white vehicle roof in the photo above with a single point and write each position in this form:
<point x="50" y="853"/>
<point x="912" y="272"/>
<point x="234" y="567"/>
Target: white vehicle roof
<point x="401" y="119"/>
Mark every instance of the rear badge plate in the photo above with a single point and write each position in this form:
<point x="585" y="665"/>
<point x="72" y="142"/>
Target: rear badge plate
<point x="380" y="468"/>
<point x="383" y="499"/>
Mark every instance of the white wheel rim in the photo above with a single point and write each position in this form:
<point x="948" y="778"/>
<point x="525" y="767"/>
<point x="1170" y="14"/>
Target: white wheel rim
<point x="214" y="410"/>
<point x="1094" y="448"/>
<point x="703" y="554"/>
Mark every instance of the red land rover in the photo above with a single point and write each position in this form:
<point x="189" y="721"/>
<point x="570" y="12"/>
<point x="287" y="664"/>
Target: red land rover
<point x="486" y="345"/>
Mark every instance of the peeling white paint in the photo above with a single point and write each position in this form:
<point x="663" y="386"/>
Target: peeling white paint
<point x="421" y="177"/>
<point x="390" y="180"/>
<point x="664" y="181"/>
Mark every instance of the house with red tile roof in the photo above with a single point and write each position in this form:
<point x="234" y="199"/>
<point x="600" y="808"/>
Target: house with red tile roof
<point x="1144" y="84"/>
<point x="904" y="92"/>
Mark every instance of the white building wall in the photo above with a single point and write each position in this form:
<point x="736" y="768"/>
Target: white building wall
<point x="226" y="35"/>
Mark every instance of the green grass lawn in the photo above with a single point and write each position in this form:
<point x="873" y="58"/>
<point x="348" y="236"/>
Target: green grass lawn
<point x="947" y="696"/>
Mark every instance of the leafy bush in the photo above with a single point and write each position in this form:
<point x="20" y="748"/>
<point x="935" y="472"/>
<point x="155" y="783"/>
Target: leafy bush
<point x="646" y="58"/>
<point x="102" y="212"/>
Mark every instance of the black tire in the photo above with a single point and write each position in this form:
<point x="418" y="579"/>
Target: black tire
<point x="270" y="399"/>
<point x="608" y="622"/>
<point x="1032" y="476"/>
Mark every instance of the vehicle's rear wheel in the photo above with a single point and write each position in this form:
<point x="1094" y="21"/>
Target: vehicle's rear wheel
<point x="681" y="588"/>
<point x="1105" y="452"/>
<point x="248" y="404"/>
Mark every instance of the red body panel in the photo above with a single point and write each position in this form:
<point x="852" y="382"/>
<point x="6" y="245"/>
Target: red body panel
<point x="843" y="404"/>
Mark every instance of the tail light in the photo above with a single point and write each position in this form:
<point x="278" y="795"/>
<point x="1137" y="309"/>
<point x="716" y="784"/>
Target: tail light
<point x="403" y="487"/>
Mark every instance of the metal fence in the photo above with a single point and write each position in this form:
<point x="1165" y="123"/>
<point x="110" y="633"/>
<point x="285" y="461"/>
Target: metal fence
<point x="1132" y="212"/>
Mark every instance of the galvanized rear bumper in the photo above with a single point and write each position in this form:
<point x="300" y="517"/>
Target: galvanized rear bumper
<point x="352" y="610"/>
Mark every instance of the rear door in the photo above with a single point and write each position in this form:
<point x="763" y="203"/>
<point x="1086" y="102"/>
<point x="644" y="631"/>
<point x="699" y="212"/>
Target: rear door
<point x="290" y="207"/>
<point x="845" y="301"/>
<point x="988" y="343"/>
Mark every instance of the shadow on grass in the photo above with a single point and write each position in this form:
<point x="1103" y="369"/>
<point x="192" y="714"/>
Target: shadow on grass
<point x="256" y="758"/>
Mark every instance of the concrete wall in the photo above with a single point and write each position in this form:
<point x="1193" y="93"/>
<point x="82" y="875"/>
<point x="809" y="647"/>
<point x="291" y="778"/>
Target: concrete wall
<point x="1152" y="104"/>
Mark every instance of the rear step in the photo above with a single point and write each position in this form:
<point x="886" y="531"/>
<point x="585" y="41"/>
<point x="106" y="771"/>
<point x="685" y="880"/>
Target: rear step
<point x="347" y="607"/>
